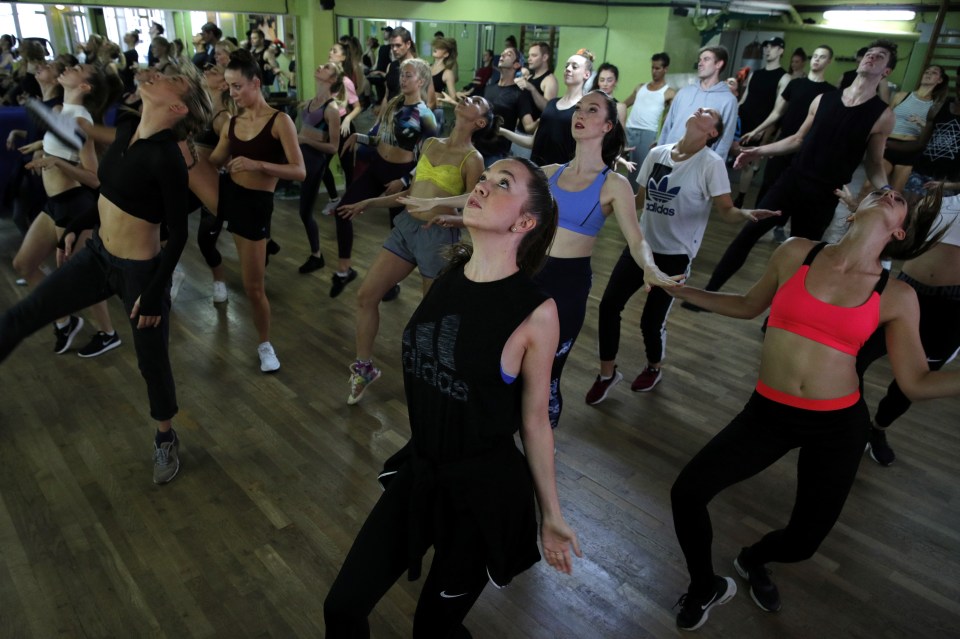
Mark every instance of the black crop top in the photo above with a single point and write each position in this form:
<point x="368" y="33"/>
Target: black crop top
<point x="263" y="146"/>
<point x="148" y="180"/>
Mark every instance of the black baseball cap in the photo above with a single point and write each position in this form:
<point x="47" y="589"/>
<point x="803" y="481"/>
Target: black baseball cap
<point x="775" y="42"/>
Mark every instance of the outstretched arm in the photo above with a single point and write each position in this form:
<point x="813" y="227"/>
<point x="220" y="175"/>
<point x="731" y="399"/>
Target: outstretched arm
<point x="617" y="193"/>
<point x="750" y="304"/>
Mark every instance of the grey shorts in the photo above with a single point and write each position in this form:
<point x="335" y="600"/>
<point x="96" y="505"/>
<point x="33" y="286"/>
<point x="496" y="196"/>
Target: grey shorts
<point x="424" y="247"/>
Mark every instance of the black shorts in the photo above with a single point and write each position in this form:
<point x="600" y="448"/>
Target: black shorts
<point x="246" y="211"/>
<point x="64" y="207"/>
<point x="901" y="158"/>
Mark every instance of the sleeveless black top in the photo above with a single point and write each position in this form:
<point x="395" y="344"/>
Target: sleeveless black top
<point x="463" y="416"/>
<point x="761" y="96"/>
<point x="835" y="144"/>
<point x="263" y="146"/>
<point x="553" y="142"/>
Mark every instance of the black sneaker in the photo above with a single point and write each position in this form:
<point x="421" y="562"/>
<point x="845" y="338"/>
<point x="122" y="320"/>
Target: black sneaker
<point x="880" y="450"/>
<point x="272" y="247"/>
<point x="340" y="282"/>
<point x="762" y="589"/>
<point x="100" y="344"/>
<point x="66" y="334"/>
<point x="312" y="264"/>
<point x="695" y="610"/>
<point x="392" y="294"/>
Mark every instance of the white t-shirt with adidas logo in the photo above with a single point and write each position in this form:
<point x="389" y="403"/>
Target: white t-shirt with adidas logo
<point x="678" y="198"/>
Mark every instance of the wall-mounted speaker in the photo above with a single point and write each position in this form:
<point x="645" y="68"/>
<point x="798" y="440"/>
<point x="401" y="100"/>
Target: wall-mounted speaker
<point x="327" y="4"/>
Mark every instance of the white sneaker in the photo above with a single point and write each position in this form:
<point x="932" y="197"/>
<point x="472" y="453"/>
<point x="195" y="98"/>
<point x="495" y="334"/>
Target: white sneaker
<point x="219" y="292"/>
<point x="268" y="359"/>
<point x="176" y="281"/>
<point x="331" y="206"/>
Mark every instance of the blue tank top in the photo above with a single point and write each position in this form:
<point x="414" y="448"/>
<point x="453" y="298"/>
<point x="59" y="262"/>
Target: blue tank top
<point x="580" y="211"/>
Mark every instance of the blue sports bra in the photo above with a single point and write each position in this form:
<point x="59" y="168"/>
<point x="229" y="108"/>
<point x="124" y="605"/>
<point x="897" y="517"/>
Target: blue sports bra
<point x="580" y="211"/>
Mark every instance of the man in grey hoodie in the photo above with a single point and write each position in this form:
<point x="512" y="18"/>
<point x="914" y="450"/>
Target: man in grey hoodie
<point x="710" y="93"/>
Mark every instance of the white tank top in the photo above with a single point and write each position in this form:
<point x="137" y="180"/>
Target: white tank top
<point x="53" y="146"/>
<point x="949" y="214"/>
<point x="647" y="109"/>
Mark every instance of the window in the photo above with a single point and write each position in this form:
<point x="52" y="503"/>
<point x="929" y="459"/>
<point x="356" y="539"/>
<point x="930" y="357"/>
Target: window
<point x="24" y="20"/>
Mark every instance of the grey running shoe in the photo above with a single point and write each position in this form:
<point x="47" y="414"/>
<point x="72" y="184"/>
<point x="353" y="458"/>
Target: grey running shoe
<point x="166" y="460"/>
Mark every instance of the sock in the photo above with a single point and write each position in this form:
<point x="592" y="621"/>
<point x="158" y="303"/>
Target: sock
<point x="63" y="324"/>
<point x="110" y="334"/>
<point x="343" y="274"/>
<point x="162" y="438"/>
<point x="605" y="378"/>
<point x="363" y="366"/>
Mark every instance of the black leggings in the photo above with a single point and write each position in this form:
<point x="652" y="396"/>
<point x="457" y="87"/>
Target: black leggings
<point x="568" y="282"/>
<point x="939" y="334"/>
<point x="809" y="205"/>
<point x="831" y="444"/>
<point x="370" y="183"/>
<point x="776" y="166"/>
<point x="346" y="163"/>
<point x="208" y="233"/>
<point x="625" y="280"/>
<point x="378" y="557"/>
<point x="90" y="276"/>
<point x="316" y="163"/>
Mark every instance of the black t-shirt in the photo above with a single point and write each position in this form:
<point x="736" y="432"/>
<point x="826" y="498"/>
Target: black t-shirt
<point x="393" y="79"/>
<point x="528" y="97"/>
<point x="507" y="102"/>
<point x="941" y="157"/>
<point x="761" y="96"/>
<point x="836" y="142"/>
<point x="799" y="94"/>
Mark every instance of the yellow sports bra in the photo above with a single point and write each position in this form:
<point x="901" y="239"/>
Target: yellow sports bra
<point x="446" y="176"/>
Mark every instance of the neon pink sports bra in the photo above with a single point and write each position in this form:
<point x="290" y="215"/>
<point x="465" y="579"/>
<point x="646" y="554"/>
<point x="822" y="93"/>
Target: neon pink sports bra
<point x="846" y="329"/>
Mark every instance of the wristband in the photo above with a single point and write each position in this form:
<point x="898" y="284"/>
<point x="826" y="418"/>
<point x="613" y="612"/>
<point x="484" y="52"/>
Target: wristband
<point x="886" y="187"/>
<point x="363" y="138"/>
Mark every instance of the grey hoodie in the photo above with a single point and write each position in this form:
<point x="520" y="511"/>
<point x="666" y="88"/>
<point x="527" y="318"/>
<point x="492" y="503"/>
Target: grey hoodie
<point x="692" y="97"/>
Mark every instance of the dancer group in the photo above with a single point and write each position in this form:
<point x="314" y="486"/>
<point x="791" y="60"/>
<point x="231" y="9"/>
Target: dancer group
<point x="483" y="353"/>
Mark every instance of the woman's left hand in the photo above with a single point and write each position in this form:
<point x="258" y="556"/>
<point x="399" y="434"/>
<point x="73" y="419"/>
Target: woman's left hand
<point x="146" y="321"/>
<point x="240" y="164"/>
<point x="350" y="211"/>
<point x="655" y="277"/>
<point x="557" y="539"/>
<point x="42" y="163"/>
<point x="345" y="128"/>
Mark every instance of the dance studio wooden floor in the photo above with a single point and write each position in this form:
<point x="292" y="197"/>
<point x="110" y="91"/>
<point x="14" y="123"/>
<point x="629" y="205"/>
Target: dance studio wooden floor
<point x="278" y="473"/>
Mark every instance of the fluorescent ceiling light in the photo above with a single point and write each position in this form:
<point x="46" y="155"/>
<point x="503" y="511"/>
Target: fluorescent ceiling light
<point x="853" y="16"/>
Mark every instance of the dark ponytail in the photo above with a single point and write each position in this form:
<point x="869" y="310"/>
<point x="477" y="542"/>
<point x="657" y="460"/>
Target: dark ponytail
<point x="532" y="252"/>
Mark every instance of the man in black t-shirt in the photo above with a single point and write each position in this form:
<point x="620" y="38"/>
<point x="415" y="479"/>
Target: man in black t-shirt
<point x="790" y="110"/>
<point x="507" y="101"/>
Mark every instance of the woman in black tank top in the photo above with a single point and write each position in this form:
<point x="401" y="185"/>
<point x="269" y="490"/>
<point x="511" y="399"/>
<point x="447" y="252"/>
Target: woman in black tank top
<point x="319" y="139"/>
<point x="461" y="485"/>
<point x="258" y="148"/>
<point x="143" y="182"/>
